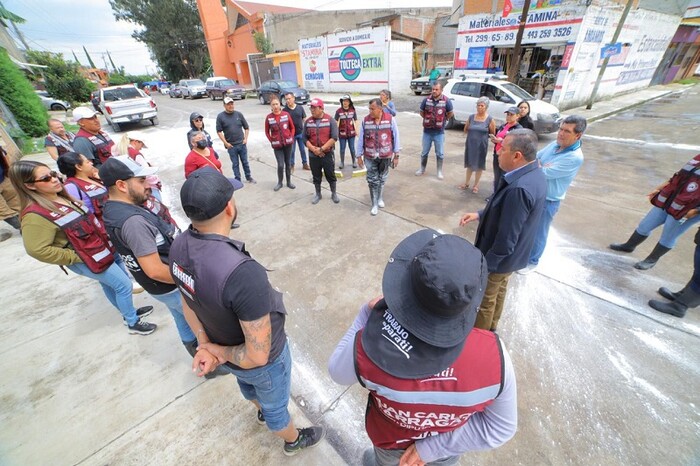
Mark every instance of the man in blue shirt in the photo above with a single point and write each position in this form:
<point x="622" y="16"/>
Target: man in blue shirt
<point x="560" y="162"/>
<point x="436" y="111"/>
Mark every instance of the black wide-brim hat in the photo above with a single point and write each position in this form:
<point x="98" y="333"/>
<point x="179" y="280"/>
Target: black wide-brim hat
<point x="433" y="285"/>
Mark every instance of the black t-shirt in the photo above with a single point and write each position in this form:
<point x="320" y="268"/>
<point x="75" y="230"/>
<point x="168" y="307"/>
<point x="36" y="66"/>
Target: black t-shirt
<point x="298" y="115"/>
<point x="232" y="124"/>
<point x="249" y="295"/>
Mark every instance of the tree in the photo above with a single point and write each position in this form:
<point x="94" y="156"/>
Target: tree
<point x="19" y="96"/>
<point x="262" y="43"/>
<point x="171" y="30"/>
<point x="63" y="79"/>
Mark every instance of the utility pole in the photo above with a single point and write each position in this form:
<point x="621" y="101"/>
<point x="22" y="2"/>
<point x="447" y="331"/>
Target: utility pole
<point x="514" y="68"/>
<point x="618" y="30"/>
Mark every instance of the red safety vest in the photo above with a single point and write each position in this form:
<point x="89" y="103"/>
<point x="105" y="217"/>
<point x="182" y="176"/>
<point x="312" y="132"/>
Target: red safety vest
<point x="84" y="232"/>
<point x="435" y="113"/>
<point x="403" y="413"/>
<point x="346" y="123"/>
<point x="96" y="193"/>
<point x="318" y="130"/>
<point x="378" y="138"/>
<point x="280" y="130"/>
<point x="104" y="149"/>
<point x="681" y="194"/>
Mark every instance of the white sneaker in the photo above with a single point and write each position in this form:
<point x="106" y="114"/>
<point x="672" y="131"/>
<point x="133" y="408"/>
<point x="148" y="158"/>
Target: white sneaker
<point x="527" y="270"/>
<point x="136" y="288"/>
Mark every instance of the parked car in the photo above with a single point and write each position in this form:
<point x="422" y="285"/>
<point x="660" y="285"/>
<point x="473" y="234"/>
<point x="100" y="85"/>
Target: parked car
<point x="422" y="85"/>
<point x="164" y="90"/>
<point x="464" y="92"/>
<point x="279" y="87"/>
<point x="127" y="104"/>
<point x="50" y="103"/>
<point x="218" y="87"/>
<point x="175" y="92"/>
<point x="192" y="88"/>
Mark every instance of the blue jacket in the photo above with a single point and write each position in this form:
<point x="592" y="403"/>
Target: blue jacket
<point x="508" y="223"/>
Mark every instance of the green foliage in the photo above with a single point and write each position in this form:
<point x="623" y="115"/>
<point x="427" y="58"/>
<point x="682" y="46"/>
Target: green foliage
<point x="262" y="43"/>
<point x="172" y="31"/>
<point x="117" y="79"/>
<point x="63" y="79"/>
<point x="20" y="98"/>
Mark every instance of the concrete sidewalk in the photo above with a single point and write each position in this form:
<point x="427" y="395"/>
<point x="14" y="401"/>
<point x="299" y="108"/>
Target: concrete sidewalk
<point x="602" y="378"/>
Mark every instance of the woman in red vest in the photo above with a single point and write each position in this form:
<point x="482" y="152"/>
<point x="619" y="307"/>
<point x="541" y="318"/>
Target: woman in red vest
<point x="346" y="117"/>
<point x="57" y="229"/>
<point x="279" y="129"/>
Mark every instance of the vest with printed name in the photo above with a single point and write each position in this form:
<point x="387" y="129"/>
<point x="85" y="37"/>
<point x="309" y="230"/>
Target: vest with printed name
<point x="346" y="123"/>
<point x="202" y="282"/>
<point x="103" y="145"/>
<point x="378" y="138"/>
<point x="401" y="411"/>
<point x="280" y="130"/>
<point x="318" y="130"/>
<point x="84" y="231"/>
<point x="435" y="113"/>
<point x="681" y="194"/>
<point x="95" y="192"/>
<point x="155" y="213"/>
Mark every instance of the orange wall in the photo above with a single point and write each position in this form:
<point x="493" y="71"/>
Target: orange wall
<point x="213" y="19"/>
<point x="239" y="44"/>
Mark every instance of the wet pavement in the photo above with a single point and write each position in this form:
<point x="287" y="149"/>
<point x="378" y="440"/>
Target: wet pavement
<point x="602" y="378"/>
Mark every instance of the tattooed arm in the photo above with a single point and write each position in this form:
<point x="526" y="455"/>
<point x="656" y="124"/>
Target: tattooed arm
<point x="254" y="352"/>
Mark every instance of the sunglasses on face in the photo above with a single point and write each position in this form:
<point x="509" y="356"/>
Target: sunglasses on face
<point x="197" y="119"/>
<point x="47" y="178"/>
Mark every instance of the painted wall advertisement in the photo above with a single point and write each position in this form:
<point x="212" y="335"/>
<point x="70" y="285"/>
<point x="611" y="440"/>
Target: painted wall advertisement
<point x="544" y="25"/>
<point x="348" y="61"/>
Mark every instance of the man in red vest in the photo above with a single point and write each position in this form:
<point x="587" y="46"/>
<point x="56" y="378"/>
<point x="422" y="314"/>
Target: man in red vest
<point x="437" y="386"/>
<point x="90" y="140"/>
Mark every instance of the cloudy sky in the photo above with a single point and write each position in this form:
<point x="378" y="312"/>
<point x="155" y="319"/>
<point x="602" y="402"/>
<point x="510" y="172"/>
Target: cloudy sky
<point x="68" y="25"/>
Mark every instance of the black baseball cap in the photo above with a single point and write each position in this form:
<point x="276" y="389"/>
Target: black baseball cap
<point x="206" y="192"/>
<point x="121" y="167"/>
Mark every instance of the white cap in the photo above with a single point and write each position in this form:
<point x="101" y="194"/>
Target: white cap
<point x="83" y="112"/>
<point x="137" y="136"/>
<point x="228" y="100"/>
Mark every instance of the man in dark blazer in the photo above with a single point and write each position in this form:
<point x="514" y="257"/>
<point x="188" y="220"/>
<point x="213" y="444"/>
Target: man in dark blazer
<point x="508" y="223"/>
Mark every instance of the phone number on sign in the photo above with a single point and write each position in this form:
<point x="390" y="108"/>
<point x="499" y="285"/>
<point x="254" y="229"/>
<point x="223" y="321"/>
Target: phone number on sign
<point x="508" y="38"/>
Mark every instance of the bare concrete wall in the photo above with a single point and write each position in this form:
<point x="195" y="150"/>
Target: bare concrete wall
<point x="285" y="30"/>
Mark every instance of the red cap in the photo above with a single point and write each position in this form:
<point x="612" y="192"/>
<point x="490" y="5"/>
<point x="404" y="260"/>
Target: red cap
<point x="316" y="102"/>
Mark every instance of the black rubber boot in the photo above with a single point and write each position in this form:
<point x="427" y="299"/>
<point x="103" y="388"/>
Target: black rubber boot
<point x="354" y="162"/>
<point x="288" y="174"/>
<point x="671" y="295"/>
<point x="13" y="222"/>
<point x="342" y="161"/>
<point x="635" y="240"/>
<point x="334" y="194"/>
<point x="318" y="196"/>
<point x="423" y="164"/>
<point x="687" y="299"/>
<point x="280" y="172"/>
<point x="653" y="258"/>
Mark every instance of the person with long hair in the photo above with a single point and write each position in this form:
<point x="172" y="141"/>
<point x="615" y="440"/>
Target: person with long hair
<point x="131" y="144"/>
<point x="57" y="229"/>
<point x="201" y="155"/>
<point x="280" y="131"/>
<point x="346" y="118"/>
<point x="524" y="116"/>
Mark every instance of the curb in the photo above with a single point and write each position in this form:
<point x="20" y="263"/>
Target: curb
<point x="627" y="107"/>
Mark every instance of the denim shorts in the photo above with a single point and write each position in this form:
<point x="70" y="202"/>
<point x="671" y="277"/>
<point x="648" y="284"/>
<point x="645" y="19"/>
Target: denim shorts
<point x="269" y="385"/>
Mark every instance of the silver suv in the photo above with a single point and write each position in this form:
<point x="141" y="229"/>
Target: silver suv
<point x="464" y="92"/>
<point x="192" y="88"/>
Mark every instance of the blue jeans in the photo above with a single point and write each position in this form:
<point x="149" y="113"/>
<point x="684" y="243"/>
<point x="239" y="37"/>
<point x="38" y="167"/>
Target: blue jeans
<point x="116" y="286"/>
<point x="672" y="230"/>
<point x="234" y="152"/>
<point x="299" y="140"/>
<point x="550" y="210"/>
<point x="270" y="386"/>
<point x="433" y="138"/>
<point x="173" y="301"/>
<point x="347" y="142"/>
<point x="695" y="281"/>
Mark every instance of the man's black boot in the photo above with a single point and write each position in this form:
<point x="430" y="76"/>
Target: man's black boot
<point x="635" y="240"/>
<point x="318" y="196"/>
<point x="687" y="299"/>
<point x="334" y="194"/>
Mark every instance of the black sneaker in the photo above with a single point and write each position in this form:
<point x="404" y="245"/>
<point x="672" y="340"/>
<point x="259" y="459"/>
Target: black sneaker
<point x="142" y="327"/>
<point x="308" y="437"/>
<point x="261" y="418"/>
<point x="141" y="312"/>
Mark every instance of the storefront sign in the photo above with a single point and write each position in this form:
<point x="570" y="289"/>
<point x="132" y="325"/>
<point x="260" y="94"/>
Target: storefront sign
<point x="314" y="65"/>
<point x="611" y="50"/>
<point x="359" y="56"/>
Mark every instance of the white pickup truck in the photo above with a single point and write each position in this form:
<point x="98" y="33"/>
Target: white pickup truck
<point x="127" y="104"/>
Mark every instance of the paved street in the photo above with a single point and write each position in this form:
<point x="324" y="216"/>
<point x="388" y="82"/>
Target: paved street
<point x="602" y="378"/>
